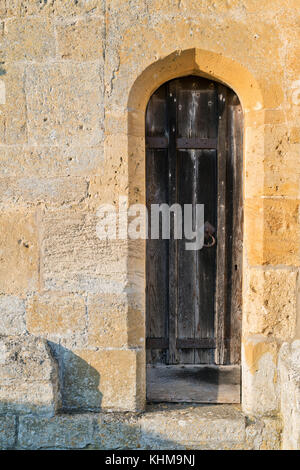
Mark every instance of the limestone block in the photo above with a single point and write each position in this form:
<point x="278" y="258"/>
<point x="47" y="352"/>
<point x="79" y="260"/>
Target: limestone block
<point x="282" y="232"/>
<point x="78" y="7"/>
<point x="60" y="318"/>
<point x="51" y="8"/>
<point x="136" y="320"/>
<point x="281" y="164"/>
<point x="254" y="159"/>
<point x="272" y="231"/>
<point x="112" y="176"/>
<point x="50" y="162"/>
<point x="29" y="39"/>
<point x="103" y="379"/>
<point x="107" y="318"/>
<point x="13" y="118"/>
<point x="28" y="376"/>
<point x="117" y="431"/>
<point x="270" y="303"/>
<point x="81" y="39"/>
<point x="19" y="252"/>
<point x="263" y="434"/>
<point x="7" y="432"/>
<point x="30" y="190"/>
<point x="12" y="314"/>
<point x="260" y="394"/>
<point x="289" y="374"/>
<point x="70" y="96"/>
<point x="59" y="432"/>
<point x="74" y="259"/>
<point x="192" y="425"/>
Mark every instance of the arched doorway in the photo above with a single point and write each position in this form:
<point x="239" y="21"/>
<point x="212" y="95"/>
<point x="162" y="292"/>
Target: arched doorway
<point x="193" y="297"/>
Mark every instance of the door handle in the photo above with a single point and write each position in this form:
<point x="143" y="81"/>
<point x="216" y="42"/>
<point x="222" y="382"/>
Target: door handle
<point x="209" y="239"/>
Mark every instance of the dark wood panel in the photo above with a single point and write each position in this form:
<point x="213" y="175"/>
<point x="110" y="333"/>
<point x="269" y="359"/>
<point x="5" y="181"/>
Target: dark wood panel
<point x="195" y="384"/>
<point x="157" y="281"/>
<point x="157" y="343"/>
<point x="157" y="142"/>
<point x="196" y="343"/>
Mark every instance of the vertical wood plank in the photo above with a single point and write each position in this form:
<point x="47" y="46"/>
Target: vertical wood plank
<point x="188" y="286"/>
<point x="235" y="219"/>
<point x="173" y="280"/>
<point x="220" y="310"/>
<point x="157" y="282"/>
<point x="206" y="257"/>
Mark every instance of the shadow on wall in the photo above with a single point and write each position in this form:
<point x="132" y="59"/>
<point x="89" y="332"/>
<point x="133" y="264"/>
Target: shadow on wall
<point x="79" y="382"/>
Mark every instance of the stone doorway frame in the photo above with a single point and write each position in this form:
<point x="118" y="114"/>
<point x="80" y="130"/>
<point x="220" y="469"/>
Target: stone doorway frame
<point x="215" y="67"/>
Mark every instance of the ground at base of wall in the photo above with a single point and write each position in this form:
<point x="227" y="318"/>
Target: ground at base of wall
<point x="159" y="427"/>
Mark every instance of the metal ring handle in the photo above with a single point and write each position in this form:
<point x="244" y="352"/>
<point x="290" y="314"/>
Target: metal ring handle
<point x="212" y="243"/>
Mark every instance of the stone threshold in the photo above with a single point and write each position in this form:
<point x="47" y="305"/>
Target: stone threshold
<point x="163" y="426"/>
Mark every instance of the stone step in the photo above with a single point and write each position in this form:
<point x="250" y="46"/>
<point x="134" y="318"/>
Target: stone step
<point x="159" y="427"/>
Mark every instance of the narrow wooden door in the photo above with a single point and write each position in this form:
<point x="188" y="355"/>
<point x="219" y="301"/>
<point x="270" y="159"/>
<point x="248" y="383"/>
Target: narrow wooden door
<point x="193" y="307"/>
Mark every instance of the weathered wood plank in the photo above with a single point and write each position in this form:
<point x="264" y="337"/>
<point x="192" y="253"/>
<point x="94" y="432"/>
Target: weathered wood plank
<point x="195" y="384"/>
<point x="196" y="343"/>
<point x="172" y="122"/>
<point x="221" y="278"/>
<point x="156" y="250"/>
<point x="196" y="143"/>
<point x="157" y="142"/>
<point x="234" y="218"/>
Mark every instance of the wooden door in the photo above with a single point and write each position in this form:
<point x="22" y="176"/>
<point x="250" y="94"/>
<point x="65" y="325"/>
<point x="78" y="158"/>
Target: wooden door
<point x="193" y="307"/>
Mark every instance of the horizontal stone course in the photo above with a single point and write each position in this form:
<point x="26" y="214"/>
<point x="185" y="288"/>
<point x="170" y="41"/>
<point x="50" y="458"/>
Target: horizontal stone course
<point x="160" y="427"/>
<point x="65" y="432"/>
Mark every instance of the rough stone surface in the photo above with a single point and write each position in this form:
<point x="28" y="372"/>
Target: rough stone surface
<point x="188" y="426"/>
<point x="19" y="252"/>
<point x="7" y="432"/>
<point x="263" y="434"/>
<point x="108" y="315"/>
<point x="270" y="307"/>
<point x="28" y="376"/>
<point x="49" y="162"/>
<point x="59" y="191"/>
<point x="81" y="40"/>
<point x="12" y="313"/>
<point x="29" y="39"/>
<point x="260" y="391"/>
<point x="289" y="372"/>
<point x="117" y="431"/>
<point x="71" y="99"/>
<point x="59" y="318"/>
<point x="59" y="432"/>
<point x="71" y="254"/>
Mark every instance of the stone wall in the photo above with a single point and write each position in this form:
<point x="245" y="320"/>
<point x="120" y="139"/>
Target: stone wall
<point x="77" y="78"/>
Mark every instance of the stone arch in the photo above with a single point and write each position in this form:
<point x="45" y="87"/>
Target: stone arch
<point x="216" y="67"/>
